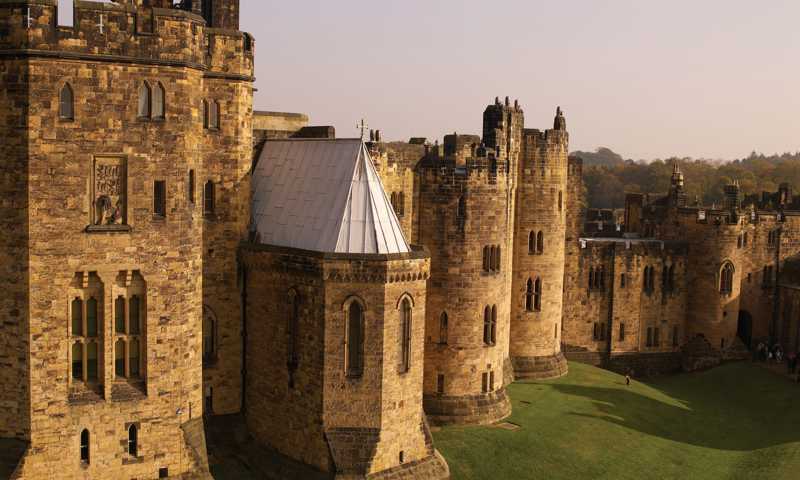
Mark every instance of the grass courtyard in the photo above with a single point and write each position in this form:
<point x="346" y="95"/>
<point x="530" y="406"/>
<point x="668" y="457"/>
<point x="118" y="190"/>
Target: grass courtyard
<point x="735" y="421"/>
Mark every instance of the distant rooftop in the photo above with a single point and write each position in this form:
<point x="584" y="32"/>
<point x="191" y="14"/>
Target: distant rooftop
<point x="323" y="195"/>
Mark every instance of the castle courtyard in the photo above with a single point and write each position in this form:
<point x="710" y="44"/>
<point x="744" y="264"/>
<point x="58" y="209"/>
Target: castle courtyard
<point x="736" y="421"/>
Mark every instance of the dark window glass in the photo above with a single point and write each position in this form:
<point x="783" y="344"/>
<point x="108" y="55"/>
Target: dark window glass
<point x="133" y="354"/>
<point x="135" y="313"/>
<point x="119" y="315"/>
<point x="77" y="316"/>
<point x="66" y="108"/>
<point x="77" y="361"/>
<point x="405" y="336"/>
<point x="355" y="340"/>
<point x="91" y="361"/>
<point x="85" y="446"/>
<point x="133" y="441"/>
<point x="160" y="198"/>
<point x="208" y="198"/>
<point x="91" y="317"/>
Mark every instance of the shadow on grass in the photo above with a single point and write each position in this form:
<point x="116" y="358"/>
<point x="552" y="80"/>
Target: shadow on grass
<point x="729" y="409"/>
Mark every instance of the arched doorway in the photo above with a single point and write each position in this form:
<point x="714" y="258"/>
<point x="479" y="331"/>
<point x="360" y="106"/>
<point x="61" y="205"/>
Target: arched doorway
<point x="744" y="329"/>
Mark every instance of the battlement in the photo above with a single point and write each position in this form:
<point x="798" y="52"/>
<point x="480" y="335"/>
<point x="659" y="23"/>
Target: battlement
<point x="125" y="33"/>
<point x="484" y="168"/>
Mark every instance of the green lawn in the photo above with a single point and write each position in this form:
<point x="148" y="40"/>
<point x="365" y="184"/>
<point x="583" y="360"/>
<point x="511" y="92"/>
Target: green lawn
<point x="736" y="421"/>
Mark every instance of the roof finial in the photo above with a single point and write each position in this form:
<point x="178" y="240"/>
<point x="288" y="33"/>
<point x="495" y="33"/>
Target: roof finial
<point x="363" y="127"/>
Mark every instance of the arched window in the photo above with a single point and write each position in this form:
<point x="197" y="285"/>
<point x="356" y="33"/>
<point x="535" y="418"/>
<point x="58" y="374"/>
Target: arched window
<point x="133" y="441"/>
<point x="77" y="316"/>
<point x="532" y="242"/>
<point x="119" y="358"/>
<point x="726" y="278"/>
<point x="443" y="328"/>
<point x="66" y="103"/>
<point x="145" y="95"/>
<point x="292" y="330"/>
<point x="540" y="242"/>
<point x="405" y="336"/>
<point x="208" y="198"/>
<point x="159" y="101"/>
<point x="462" y="207"/>
<point x="486" y="259"/>
<point x="537" y="295"/>
<point x="355" y="340"/>
<point x="487" y="325"/>
<point x="497" y="259"/>
<point x="529" y="296"/>
<point x="85" y="446"/>
<point x="206" y="112"/>
<point x="209" y="334"/>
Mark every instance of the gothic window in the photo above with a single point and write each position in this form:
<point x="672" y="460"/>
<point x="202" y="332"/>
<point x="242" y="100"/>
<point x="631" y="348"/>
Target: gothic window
<point x="85" y="322"/>
<point x="443" y="329"/>
<point x="66" y="103"/>
<point x="292" y="334"/>
<point x="529" y="296"/>
<point x="486" y="259"/>
<point x="208" y="198"/>
<point x="159" y="101"/>
<point x="160" y="198"/>
<point x="532" y="243"/>
<point x="191" y="187"/>
<point x="128" y="325"/>
<point x="355" y="340"/>
<point x="537" y="295"/>
<point x="726" y="279"/>
<point x="145" y="94"/>
<point x="133" y="441"/>
<point x="493" y="330"/>
<point x="739" y="241"/>
<point x="84" y="449"/>
<point x="405" y="336"/>
<point x="497" y="259"/>
<point x="540" y="243"/>
<point x="485" y="382"/>
<point x="491" y="381"/>
<point x="209" y="335"/>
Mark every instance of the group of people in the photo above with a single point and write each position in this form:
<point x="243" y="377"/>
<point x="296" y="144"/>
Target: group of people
<point x="765" y="353"/>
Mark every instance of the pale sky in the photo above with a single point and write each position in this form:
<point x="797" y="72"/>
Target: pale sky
<point x="701" y="78"/>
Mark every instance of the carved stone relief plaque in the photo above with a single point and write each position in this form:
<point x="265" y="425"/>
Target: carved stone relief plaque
<point x="109" y="207"/>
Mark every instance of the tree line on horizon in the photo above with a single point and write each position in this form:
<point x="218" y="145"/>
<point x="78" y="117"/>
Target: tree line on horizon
<point x="608" y="176"/>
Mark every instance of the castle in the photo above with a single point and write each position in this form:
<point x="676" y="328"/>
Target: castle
<point x="170" y="254"/>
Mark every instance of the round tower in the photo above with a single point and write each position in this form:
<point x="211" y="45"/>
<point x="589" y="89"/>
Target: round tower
<point x="538" y="253"/>
<point x="464" y="198"/>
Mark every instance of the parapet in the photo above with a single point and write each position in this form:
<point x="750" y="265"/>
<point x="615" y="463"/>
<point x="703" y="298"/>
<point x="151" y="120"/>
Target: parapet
<point x="122" y="32"/>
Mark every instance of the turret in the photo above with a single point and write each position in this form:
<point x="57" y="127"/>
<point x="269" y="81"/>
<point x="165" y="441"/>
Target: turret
<point x="677" y="194"/>
<point x="560" y="123"/>
<point x="732" y="201"/>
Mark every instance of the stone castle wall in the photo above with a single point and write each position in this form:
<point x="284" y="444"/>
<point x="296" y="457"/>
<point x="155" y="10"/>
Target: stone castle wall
<point x="14" y="265"/>
<point x="461" y="288"/>
<point x="93" y="233"/>
<point x="369" y="424"/>
<point x="535" y="340"/>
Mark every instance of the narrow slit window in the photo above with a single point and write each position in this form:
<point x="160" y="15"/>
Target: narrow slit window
<point x="443" y="329"/>
<point x="159" y="99"/>
<point x="160" y="198"/>
<point x="208" y="198"/>
<point x="77" y="316"/>
<point x="133" y="441"/>
<point x="405" y="336"/>
<point x="355" y="340"/>
<point x="84" y="448"/>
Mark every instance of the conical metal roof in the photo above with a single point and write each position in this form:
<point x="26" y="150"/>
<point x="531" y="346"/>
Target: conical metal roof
<point x="325" y="196"/>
